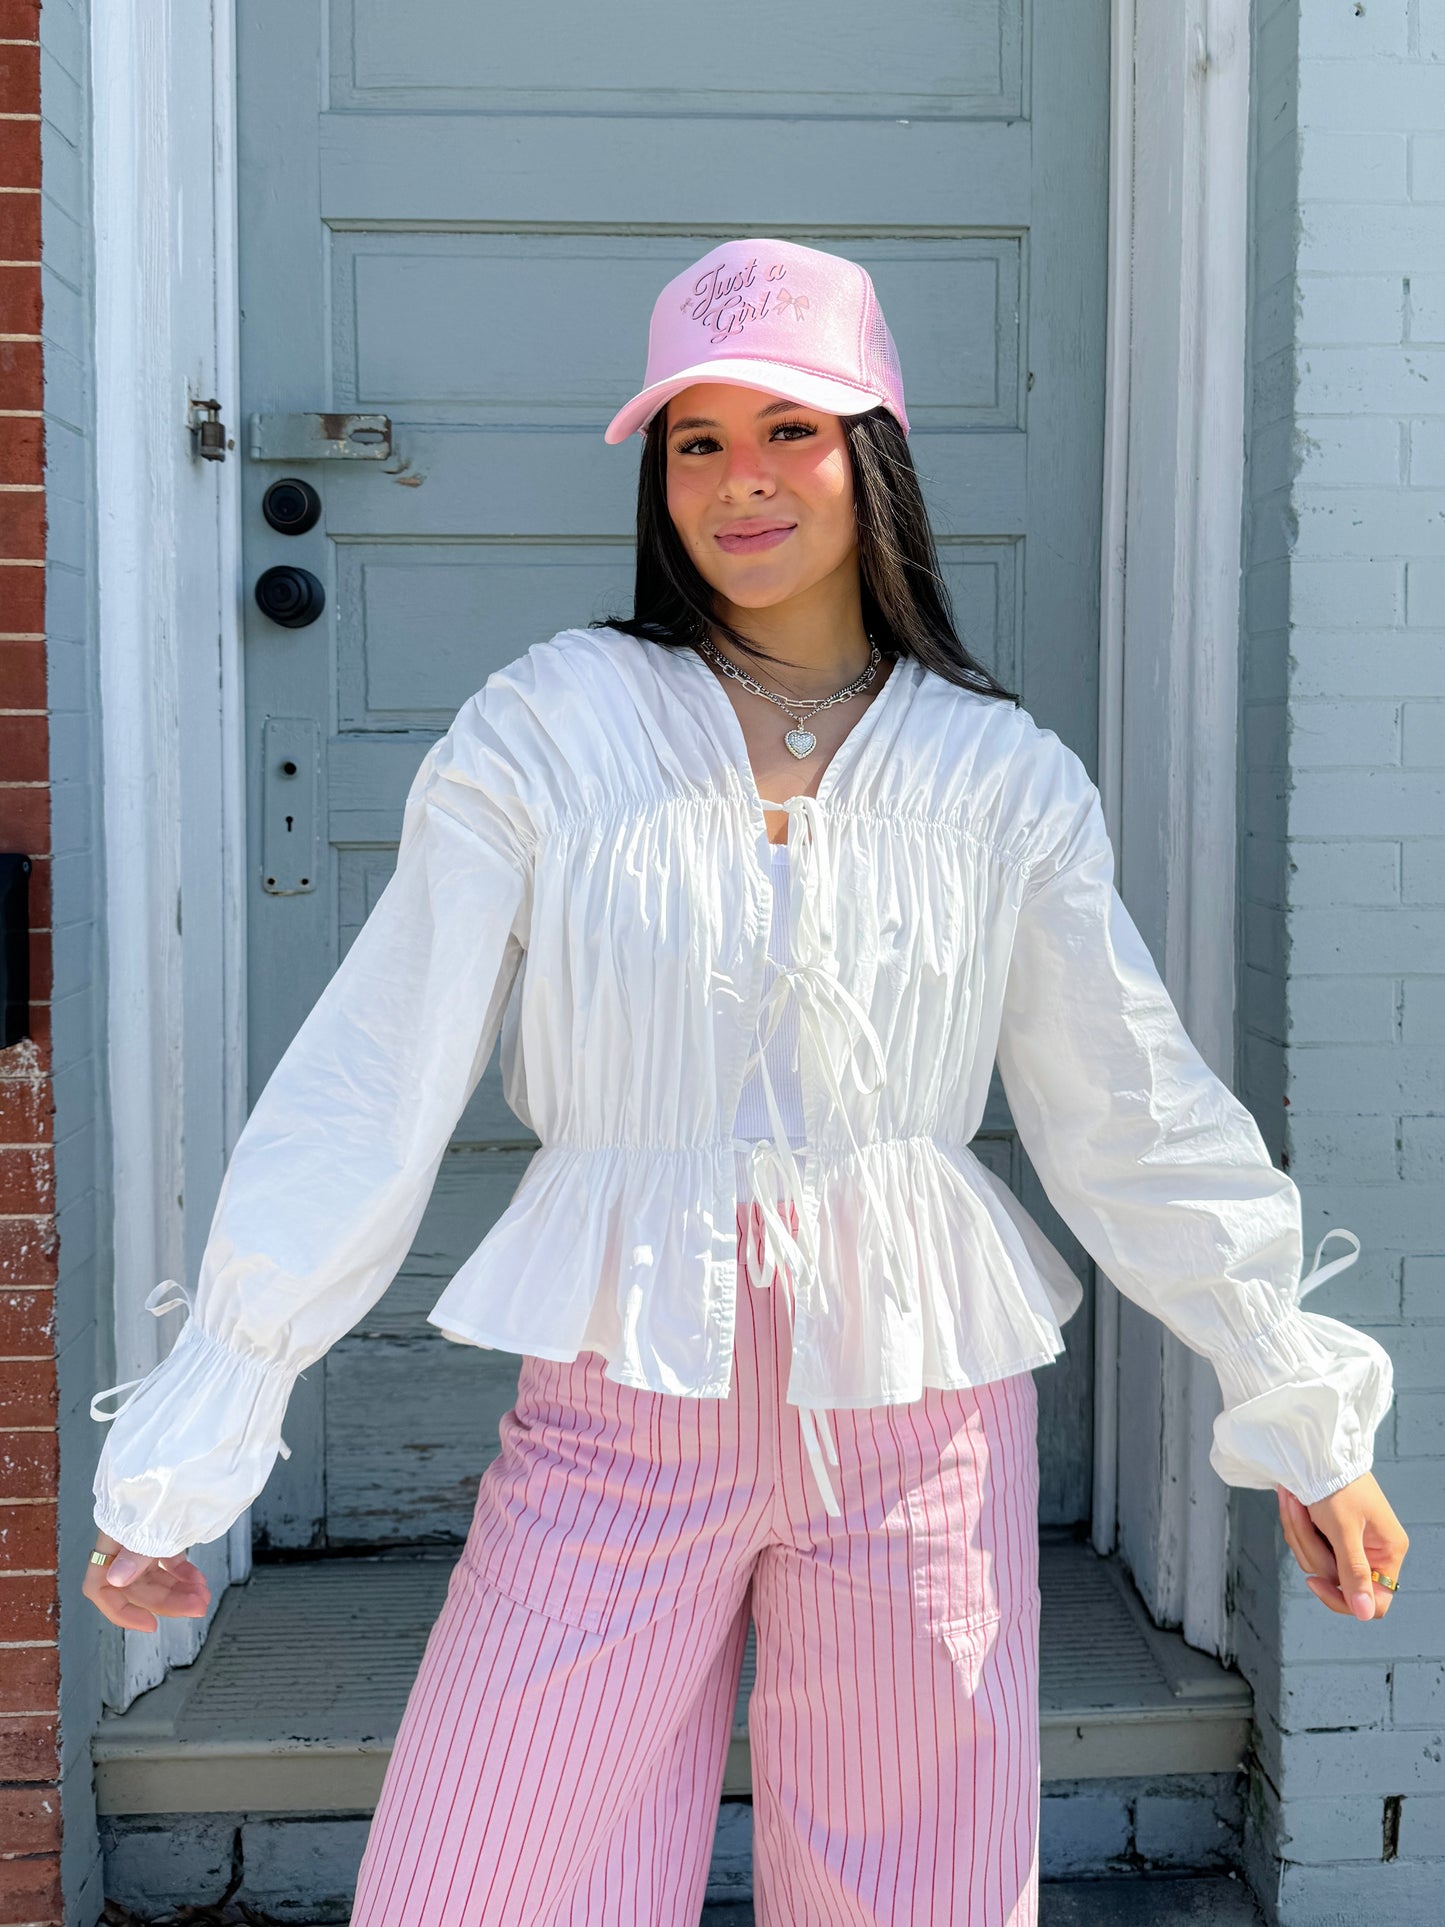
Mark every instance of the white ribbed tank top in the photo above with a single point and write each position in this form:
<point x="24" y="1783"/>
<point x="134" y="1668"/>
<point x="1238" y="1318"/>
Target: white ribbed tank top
<point x="752" y="1120"/>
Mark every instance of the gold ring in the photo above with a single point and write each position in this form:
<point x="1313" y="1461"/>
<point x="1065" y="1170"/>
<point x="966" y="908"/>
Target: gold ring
<point x="1383" y="1579"/>
<point x="101" y="1558"/>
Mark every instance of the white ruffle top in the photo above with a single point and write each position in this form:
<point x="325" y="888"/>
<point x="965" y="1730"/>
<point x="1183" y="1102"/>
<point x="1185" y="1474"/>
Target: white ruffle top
<point x="583" y="874"/>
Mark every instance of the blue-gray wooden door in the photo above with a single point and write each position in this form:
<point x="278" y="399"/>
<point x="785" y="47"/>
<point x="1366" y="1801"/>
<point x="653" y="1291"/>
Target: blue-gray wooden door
<point x="458" y="216"/>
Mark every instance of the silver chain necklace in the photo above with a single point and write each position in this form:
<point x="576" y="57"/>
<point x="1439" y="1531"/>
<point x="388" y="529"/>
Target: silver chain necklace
<point x="801" y="710"/>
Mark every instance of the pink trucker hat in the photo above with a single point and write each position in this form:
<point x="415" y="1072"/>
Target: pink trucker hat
<point x="772" y="315"/>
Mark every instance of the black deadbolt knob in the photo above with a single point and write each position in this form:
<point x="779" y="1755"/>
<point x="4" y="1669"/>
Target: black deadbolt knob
<point x="291" y="506"/>
<point x="293" y="597"/>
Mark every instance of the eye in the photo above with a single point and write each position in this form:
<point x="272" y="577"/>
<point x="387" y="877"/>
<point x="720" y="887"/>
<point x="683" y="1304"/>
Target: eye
<point x="800" y="429"/>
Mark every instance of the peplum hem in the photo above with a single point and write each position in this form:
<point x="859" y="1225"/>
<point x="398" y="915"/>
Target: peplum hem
<point x="594" y="1253"/>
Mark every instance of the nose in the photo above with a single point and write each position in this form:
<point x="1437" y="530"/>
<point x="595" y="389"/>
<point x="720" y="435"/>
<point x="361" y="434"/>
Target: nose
<point x="746" y="471"/>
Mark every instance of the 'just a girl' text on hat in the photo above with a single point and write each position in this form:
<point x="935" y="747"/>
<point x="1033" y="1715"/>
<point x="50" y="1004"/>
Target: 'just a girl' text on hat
<point x="774" y="315"/>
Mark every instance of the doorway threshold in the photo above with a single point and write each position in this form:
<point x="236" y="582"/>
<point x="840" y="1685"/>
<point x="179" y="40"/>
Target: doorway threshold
<point x="294" y="1701"/>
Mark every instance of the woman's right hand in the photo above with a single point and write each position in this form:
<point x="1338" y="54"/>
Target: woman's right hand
<point x="132" y="1589"/>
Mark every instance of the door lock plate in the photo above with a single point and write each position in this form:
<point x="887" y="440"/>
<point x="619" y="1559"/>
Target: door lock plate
<point x="320" y="438"/>
<point x="290" y="848"/>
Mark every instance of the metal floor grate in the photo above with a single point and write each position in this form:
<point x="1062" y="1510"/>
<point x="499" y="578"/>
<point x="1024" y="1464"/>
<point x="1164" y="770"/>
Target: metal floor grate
<point x="322" y="1652"/>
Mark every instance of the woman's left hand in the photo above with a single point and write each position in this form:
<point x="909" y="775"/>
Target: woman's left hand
<point x="1337" y="1541"/>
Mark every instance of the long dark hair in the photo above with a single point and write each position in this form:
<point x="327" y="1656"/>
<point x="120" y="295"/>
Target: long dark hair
<point x="906" y="605"/>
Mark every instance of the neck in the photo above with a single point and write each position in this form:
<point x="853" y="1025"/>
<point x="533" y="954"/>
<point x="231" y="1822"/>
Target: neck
<point x="816" y="639"/>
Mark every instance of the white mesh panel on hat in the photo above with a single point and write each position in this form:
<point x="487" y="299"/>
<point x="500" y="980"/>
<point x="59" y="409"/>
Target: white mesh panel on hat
<point x="881" y="366"/>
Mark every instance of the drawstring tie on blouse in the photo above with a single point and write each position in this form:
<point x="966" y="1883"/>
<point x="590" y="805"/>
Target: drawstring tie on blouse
<point x="1317" y="1273"/>
<point x="156" y="1304"/>
<point x="812" y="981"/>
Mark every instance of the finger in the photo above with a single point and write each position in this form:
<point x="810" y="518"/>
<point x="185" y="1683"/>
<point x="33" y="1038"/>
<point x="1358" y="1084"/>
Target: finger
<point x="119" y="1610"/>
<point x="138" y="1606"/>
<point x="162" y="1593"/>
<point x="1388" y="1566"/>
<point x="123" y="1609"/>
<point x="1328" y="1594"/>
<point x="135" y="1619"/>
<point x="1331" y="1596"/>
<point x="1296" y="1546"/>
<point x="1317" y="1554"/>
<point x="182" y="1567"/>
<point x="165" y="1592"/>
<point x="1311" y="1550"/>
<point x="158" y="1579"/>
<point x="126" y="1568"/>
<point x="1354" y="1570"/>
<point x="1386" y="1547"/>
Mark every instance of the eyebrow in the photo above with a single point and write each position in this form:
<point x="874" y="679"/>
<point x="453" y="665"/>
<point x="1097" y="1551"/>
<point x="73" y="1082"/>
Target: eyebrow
<point x="706" y="421"/>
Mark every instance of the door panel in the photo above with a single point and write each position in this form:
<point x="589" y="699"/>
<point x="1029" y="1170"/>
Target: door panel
<point x="947" y="57"/>
<point x="459" y="219"/>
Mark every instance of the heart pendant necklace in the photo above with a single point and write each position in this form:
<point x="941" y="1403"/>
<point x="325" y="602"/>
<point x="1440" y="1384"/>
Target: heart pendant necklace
<point x="799" y="740"/>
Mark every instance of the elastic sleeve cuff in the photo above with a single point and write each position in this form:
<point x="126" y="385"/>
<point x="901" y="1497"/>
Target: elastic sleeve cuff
<point x="1302" y="1403"/>
<point x="192" y="1447"/>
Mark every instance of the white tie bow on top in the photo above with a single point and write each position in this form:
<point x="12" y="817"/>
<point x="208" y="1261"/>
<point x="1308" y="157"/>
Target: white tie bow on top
<point x="813" y="983"/>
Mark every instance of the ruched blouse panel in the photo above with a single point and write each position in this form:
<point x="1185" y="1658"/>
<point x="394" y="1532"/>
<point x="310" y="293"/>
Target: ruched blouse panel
<point x="584" y="874"/>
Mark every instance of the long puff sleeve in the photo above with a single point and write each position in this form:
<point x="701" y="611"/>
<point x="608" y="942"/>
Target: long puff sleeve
<point x="328" y="1180"/>
<point x="1163" y="1176"/>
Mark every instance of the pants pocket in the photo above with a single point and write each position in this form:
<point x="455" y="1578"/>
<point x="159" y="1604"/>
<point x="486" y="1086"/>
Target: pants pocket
<point x="971" y="1512"/>
<point x="562" y="1509"/>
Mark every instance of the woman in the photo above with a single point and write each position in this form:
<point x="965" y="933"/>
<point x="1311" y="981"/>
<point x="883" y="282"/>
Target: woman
<point x="775" y="871"/>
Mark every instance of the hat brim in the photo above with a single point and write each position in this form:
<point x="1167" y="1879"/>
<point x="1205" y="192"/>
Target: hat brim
<point x="775" y="378"/>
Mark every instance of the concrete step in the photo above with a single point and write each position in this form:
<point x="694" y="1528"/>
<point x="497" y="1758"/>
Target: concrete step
<point x="294" y="1702"/>
<point x="1141" y="1901"/>
<point x="1145" y="1901"/>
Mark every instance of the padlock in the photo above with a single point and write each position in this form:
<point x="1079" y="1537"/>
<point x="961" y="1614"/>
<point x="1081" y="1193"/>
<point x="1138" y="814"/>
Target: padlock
<point x="210" y="431"/>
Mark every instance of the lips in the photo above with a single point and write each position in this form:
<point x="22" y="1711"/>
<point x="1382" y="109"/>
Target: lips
<point x="747" y="538"/>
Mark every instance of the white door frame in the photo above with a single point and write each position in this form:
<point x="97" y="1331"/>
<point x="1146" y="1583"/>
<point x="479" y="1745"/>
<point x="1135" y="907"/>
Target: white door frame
<point x="1171" y="557"/>
<point x="168" y="639"/>
<point x="169" y="589"/>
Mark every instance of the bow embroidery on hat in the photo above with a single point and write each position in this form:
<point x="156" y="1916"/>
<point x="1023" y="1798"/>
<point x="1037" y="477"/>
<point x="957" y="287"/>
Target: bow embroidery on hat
<point x="797" y="302"/>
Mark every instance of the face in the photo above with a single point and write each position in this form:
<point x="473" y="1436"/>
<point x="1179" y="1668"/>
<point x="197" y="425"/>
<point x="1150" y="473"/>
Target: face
<point x="761" y="493"/>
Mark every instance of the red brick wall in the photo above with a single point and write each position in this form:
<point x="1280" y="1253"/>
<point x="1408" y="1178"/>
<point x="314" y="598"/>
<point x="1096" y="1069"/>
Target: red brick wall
<point x="29" y="1457"/>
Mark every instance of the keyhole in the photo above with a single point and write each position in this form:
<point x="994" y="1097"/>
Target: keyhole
<point x="289" y="767"/>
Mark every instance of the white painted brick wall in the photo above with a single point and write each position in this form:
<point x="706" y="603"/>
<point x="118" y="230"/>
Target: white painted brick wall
<point x="1339" y="871"/>
<point x="1424" y="1275"/>
<point x="1425" y="592"/>
<point x="1343" y="881"/>
<point x="1425" y="308"/>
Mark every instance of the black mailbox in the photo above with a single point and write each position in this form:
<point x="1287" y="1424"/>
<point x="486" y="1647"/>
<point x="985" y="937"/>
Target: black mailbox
<point x="14" y="947"/>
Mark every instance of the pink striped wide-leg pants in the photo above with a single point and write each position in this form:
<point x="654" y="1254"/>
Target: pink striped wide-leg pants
<point x="560" y="1759"/>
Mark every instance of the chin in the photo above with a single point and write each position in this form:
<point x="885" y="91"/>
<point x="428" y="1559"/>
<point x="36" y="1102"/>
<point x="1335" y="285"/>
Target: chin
<point x="750" y="593"/>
